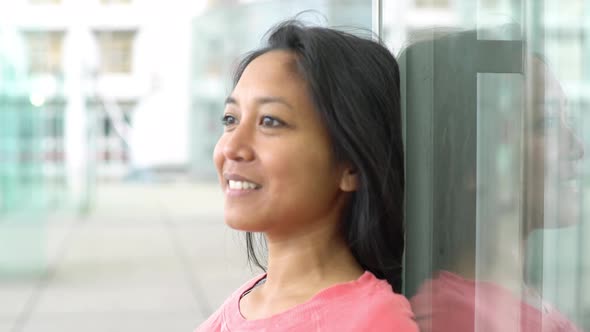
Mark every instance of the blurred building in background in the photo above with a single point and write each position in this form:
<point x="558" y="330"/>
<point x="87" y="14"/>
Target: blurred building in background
<point x="84" y="98"/>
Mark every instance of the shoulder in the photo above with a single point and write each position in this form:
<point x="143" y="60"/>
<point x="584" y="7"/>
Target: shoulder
<point x="378" y="293"/>
<point x="373" y="306"/>
<point x="392" y="315"/>
<point x="389" y="311"/>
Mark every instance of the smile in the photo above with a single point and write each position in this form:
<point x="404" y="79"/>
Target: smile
<point x="242" y="185"/>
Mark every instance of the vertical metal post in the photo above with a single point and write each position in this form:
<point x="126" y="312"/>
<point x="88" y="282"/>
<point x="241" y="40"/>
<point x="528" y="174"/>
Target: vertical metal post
<point x="377" y="18"/>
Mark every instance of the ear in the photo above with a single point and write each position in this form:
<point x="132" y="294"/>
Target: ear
<point x="349" y="180"/>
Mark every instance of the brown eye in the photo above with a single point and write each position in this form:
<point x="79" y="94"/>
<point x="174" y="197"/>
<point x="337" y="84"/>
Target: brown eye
<point x="268" y="121"/>
<point x="228" y="120"/>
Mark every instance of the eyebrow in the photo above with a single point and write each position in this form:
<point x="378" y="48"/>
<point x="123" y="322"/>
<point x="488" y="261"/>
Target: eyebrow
<point x="261" y="101"/>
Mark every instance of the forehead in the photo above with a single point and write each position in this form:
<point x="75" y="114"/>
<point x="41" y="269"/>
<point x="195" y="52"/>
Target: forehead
<point x="545" y="84"/>
<point x="275" y="70"/>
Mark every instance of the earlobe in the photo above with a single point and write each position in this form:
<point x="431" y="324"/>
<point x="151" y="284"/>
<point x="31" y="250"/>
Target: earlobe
<point x="349" y="181"/>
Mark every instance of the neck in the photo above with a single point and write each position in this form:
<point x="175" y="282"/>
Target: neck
<point x="309" y="261"/>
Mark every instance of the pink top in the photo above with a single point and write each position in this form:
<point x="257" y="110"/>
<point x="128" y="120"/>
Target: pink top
<point x="452" y="303"/>
<point x="366" y="304"/>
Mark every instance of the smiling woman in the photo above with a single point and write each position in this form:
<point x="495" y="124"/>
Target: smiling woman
<point x="275" y="141"/>
<point x="311" y="157"/>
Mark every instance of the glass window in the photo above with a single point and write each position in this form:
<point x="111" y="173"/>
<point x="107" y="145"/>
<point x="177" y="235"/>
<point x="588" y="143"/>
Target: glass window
<point x="497" y="175"/>
<point x="45" y="51"/>
<point x="110" y="2"/>
<point x="43" y="2"/>
<point x="432" y="3"/>
<point x="116" y="51"/>
<point x="113" y="122"/>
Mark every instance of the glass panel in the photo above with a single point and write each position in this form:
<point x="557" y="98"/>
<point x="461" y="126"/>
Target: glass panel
<point x="22" y="190"/>
<point x="498" y="235"/>
<point x="496" y="124"/>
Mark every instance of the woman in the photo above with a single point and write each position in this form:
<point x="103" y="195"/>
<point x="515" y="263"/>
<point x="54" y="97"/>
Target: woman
<point x="312" y="158"/>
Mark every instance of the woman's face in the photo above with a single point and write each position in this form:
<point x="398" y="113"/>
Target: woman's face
<point x="555" y="151"/>
<point x="274" y="160"/>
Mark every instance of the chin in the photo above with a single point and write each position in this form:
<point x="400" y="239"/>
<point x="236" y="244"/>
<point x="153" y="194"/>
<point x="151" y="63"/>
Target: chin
<point x="569" y="206"/>
<point x="237" y="225"/>
<point x="562" y="210"/>
<point x="241" y="223"/>
<point x="569" y="215"/>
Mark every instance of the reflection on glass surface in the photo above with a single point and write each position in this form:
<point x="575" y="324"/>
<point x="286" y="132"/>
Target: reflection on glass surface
<point x="496" y="206"/>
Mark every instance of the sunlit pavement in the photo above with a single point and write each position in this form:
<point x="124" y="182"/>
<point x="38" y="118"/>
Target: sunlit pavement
<point x="150" y="257"/>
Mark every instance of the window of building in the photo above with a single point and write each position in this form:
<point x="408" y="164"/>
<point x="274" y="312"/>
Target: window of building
<point x="45" y="51"/>
<point x="44" y="2"/>
<point x="433" y="3"/>
<point x="107" y="126"/>
<point x="109" y="2"/>
<point x="54" y="126"/>
<point x="53" y="123"/>
<point x="116" y="51"/>
<point x="488" y="4"/>
<point x="112" y="128"/>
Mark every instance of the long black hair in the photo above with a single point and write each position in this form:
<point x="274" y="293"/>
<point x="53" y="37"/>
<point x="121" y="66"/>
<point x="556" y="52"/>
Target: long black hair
<point x="354" y="84"/>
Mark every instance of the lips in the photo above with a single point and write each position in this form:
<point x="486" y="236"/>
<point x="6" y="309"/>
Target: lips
<point x="239" y="182"/>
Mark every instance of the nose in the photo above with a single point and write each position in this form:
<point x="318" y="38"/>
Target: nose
<point x="238" y="143"/>
<point x="577" y="146"/>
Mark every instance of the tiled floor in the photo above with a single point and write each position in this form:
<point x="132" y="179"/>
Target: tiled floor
<point x="149" y="258"/>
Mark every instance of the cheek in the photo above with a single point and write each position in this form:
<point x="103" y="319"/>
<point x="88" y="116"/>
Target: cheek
<point x="218" y="155"/>
<point x="305" y="166"/>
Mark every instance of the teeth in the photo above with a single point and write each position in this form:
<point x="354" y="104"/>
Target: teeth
<point x="241" y="185"/>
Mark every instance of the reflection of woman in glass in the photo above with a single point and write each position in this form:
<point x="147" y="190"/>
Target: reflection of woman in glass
<point x="479" y="281"/>
<point x="312" y="158"/>
<point x="555" y="152"/>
